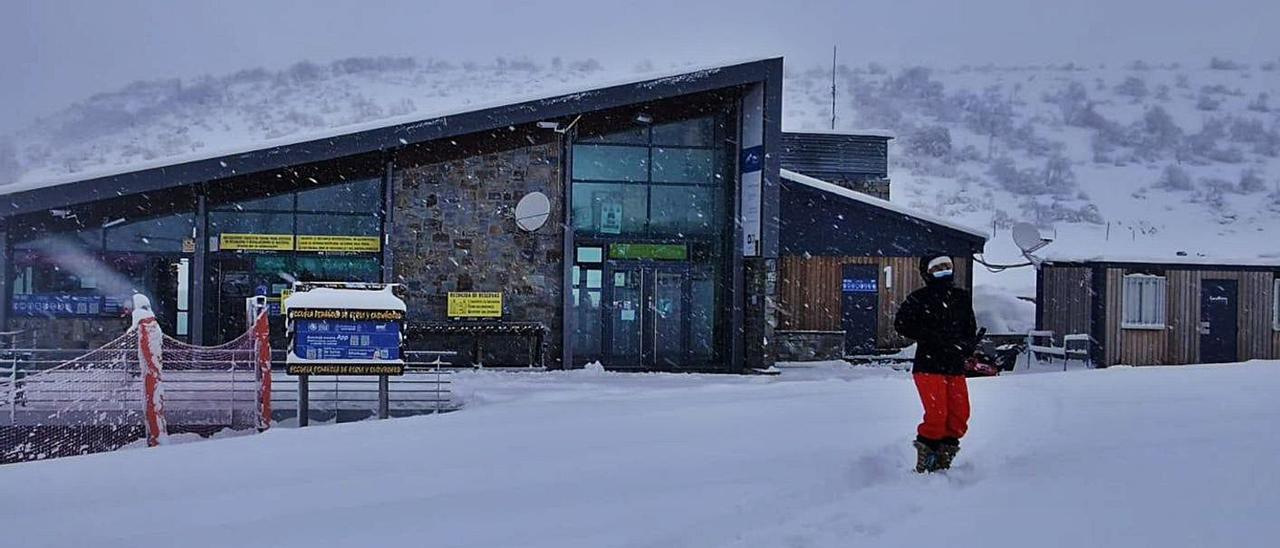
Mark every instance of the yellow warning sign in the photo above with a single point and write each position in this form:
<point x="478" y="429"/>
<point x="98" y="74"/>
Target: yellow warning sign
<point x="349" y="244"/>
<point x="475" y="305"/>
<point x="256" y="242"/>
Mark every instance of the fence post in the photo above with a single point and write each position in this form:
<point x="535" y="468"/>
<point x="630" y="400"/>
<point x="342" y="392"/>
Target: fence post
<point x="150" y="348"/>
<point x="1031" y="354"/>
<point x="384" y="397"/>
<point x="304" y="405"/>
<point x="262" y="356"/>
<point x="13" y="388"/>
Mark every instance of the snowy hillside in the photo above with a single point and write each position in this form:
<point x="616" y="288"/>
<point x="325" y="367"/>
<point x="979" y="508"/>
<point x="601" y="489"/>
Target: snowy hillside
<point x="1132" y="161"/>
<point x="1132" y="457"/>
<point x="1137" y="160"/>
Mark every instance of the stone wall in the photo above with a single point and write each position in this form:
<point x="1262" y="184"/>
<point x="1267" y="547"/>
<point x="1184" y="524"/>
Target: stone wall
<point x="454" y="231"/>
<point x="805" y="346"/>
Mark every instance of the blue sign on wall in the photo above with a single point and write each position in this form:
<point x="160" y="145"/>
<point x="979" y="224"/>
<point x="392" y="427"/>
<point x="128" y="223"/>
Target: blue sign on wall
<point x="855" y="285"/>
<point x="347" y="340"/>
<point x="57" y="305"/>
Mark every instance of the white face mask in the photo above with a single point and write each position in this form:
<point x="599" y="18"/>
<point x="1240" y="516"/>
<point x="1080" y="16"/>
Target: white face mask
<point x="942" y="274"/>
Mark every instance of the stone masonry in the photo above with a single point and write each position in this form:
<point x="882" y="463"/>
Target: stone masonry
<point x="454" y="230"/>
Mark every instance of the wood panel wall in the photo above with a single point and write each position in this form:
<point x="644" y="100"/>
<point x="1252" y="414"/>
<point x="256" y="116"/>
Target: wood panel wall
<point x="1255" y="333"/>
<point x="809" y="296"/>
<point x="1183" y="306"/>
<point x="1067" y="292"/>
<point x="1131" y="346"/>
<point x="1179" y="343"/>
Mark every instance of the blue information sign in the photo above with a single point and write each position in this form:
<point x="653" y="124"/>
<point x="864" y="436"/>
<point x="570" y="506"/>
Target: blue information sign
<point x="854" y="285"/>
<point x="57" y="305"/>
<point x="347" y="340"/>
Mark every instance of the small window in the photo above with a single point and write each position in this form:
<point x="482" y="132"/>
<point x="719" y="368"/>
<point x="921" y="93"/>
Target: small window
<point x="1144" y="302"/>
<point x="1275" y="304"/>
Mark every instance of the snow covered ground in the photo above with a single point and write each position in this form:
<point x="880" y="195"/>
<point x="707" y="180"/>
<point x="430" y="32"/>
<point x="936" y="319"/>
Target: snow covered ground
<point x="816" y="457"/>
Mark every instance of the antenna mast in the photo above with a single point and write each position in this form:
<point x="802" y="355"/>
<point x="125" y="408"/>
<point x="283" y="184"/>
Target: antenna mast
<point x="833" y="87"/>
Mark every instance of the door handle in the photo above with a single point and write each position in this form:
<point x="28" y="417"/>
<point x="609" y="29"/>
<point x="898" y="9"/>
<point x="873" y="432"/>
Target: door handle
<point x="1204" y="328"/>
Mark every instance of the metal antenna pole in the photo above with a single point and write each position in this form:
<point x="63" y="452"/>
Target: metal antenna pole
<point x="833" y="87"/>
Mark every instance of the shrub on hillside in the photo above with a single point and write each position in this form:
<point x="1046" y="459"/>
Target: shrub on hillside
<point x="1217" y="63"/>
<point x="1072" y="102"/>
<point x="1207" y="103"/>
<point x="1259" y="103"/>
<point x="991" y="115"/>
<point x="9" y="166"/>
<point x="1156" y="134"/>
<point x="1251" y="181"/>
<point x="933" y="141"/>
<point x="1056" y="177"/>
<point x="1133" y="87"/>
<point x="1175" y="178"/>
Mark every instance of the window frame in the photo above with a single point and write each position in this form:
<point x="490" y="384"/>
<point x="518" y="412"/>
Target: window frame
<point x="1144" y="283"/>
<point x="643" y="137"/>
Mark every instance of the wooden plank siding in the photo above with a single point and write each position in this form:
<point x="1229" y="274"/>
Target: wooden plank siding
<point x="1184" y="316"/>
<point x="1179" y="342"/>
<point x="1131" y="346"/>
<point x="1068" y="299"/>
<point x="1255" y="315"/>
<point x="810" y="298"/>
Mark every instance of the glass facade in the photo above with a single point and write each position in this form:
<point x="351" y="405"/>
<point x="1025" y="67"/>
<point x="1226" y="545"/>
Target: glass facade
<point x="261" y="245"/>
<point x="649" y="213"/>
<point x="90" y="274"/>
<point x="659" y="182"/>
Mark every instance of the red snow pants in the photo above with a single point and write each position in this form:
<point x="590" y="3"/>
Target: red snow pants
<point x="946" y="405"/>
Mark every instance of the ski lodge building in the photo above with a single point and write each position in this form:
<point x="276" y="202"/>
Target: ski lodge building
<point x="645" y="225"/>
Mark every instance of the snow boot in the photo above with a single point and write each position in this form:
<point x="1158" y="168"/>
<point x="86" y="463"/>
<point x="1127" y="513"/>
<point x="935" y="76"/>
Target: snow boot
<point x="926" y="457"/>
<point x="946" y="453"/>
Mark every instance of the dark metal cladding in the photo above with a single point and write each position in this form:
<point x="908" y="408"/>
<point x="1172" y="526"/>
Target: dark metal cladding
<point x="821" y="223"/>
<point x="836" y="156"/>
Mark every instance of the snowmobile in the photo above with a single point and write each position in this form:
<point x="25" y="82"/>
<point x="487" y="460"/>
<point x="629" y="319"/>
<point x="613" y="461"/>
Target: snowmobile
<point x="981" y="364"/>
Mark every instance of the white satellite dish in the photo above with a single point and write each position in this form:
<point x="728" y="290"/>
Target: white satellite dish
<point x="532" y="211"/>
<point x="1028" y="238"/>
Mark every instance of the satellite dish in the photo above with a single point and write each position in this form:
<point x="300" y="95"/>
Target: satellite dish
<point x="1028" y="238"/>
<point x="532" y="211"/>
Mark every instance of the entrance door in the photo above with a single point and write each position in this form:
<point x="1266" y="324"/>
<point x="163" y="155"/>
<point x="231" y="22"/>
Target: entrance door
<point x="658" y="315"/>
<point x="1218" y="315"/>
<point x="860" y="290"/>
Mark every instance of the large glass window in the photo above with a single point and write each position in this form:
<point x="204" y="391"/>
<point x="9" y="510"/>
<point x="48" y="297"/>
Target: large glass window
<point x="662" y="181"/>
<point x="299" y="221"/>
<point x="93" y="272"/>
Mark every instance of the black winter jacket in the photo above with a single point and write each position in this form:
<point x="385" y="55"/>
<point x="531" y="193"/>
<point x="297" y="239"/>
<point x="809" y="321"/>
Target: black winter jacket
<point x="939" y="317"/>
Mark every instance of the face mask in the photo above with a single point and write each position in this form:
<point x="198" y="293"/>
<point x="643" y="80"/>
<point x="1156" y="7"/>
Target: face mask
<point x="942" y="274"/>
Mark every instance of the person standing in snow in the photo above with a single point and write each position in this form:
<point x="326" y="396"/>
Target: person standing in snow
<point x="939" y="317"/>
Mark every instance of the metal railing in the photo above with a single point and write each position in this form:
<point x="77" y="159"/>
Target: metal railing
<point x="200" y="393"/>
<point x="425" y="388"/>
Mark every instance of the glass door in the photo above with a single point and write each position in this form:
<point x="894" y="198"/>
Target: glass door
<point x="626" y="316"/>
<point x="667" y="310"/>
<point x="657" y="315"/>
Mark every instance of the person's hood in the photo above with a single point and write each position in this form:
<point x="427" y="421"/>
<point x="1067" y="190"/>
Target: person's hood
<point x="923" y="267"/>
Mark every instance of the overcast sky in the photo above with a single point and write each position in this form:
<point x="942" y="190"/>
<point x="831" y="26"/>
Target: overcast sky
<point x="54" y="52"/>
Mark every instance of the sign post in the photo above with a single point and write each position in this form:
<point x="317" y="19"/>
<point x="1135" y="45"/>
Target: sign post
<point x="344" y="329"/>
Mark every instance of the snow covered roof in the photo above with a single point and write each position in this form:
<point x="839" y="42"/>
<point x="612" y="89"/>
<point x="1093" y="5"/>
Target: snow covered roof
<point x="882" y="133"/>
<point x="872" y="201"/>
<point x="1167" y="260"/>
<point x="356" y="299"/>
<point x="446" y="115"/>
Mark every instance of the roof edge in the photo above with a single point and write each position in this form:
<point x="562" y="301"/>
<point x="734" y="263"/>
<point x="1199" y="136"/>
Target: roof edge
<point x="381" y="135"/>
<point x="872" y="201"/>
